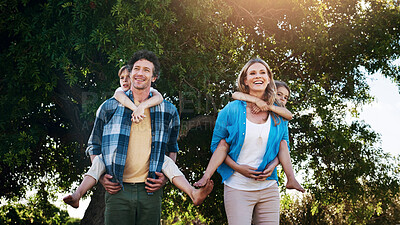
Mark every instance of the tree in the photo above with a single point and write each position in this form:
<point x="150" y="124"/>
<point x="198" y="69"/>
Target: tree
<point x="59" y="61"/>
<point x="37" y="210"/>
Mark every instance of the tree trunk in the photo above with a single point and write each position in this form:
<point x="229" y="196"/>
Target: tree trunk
<point x="94" y="214"/>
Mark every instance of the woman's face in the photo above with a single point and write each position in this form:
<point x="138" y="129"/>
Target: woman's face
<point x="282" y="94"/>
<point x="257" y="78"/>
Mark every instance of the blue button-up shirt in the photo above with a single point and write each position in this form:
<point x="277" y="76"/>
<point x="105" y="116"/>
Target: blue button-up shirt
<point x="111" y="130"/>
<point x="231" y="126"/>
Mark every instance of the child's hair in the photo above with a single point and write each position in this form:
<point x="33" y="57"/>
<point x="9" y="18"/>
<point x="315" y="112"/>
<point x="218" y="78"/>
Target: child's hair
<point x="126" y="67"/>
<point x="279" y="84"/>
<point x="269" y="94"/>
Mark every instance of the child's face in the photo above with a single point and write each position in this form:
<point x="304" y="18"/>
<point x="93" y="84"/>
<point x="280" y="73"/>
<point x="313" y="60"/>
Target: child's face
<point x="282" y="95"/>
<point x="124" y="80"/>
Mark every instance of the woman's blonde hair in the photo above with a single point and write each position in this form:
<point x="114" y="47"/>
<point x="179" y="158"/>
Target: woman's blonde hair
<point x="269" y="94"/>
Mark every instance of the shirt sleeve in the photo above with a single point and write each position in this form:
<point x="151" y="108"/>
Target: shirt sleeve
<point x="94" y="143"/>
<point x="286" y="134"/>
<point x="172" y="145"/>
<point x="220" y="128"/>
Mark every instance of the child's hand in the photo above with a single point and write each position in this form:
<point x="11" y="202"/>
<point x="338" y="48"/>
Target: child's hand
<point x="262" y="105"/>
<point x="138" y="115"/>
<point x="255" y="109"/>
<point x="137" y="119"/>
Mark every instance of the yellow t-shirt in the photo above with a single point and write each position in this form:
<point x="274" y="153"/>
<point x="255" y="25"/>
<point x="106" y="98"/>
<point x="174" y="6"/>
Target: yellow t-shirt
<point x="139" y="149"/>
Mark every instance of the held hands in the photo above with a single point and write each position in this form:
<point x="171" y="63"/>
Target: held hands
<point x="251" y="172"/>
<point x="153" y="185"/>
<point x="259" y="106"/>
<point x="111" y="187"/>
<point x="266" y="173"/>
<point x="255" y="109"/>
<point x="248" y="171"/>
<point x="262" y="105"/>
<point x="138" y="114"/>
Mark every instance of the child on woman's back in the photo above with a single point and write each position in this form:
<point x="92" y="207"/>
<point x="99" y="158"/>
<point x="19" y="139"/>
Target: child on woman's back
<point x="283" y="157"/>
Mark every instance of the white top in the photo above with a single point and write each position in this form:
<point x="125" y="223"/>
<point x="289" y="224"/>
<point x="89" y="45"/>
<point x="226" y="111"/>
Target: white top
<point x="252" y="154"/>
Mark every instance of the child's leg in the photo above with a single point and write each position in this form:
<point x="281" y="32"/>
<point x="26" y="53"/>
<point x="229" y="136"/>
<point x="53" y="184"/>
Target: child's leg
<point x="73" y="200"/>
<point x="284" y="158"/>
<point x="216" y="160"/>
<point x="90" y="179"/>
<point x="171" y="170"/>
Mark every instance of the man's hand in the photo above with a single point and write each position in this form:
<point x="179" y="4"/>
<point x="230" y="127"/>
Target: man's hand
<point x="153" y="185"/>
<point x="248" y="171"/>
<point x="111" y="187"/>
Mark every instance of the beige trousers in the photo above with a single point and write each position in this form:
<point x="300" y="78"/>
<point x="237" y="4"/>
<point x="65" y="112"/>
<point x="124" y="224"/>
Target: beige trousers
<point x="243" y="207"/>
<point x="170" y="169"/>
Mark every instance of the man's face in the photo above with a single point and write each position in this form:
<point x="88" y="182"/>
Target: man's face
<point x="142" y="74"/>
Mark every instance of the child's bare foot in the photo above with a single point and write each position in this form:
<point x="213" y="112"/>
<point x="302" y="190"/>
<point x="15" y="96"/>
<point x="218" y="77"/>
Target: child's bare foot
<point x="293" y="184"/>
<point x="200" y="194"/>
<point x="203" y="181"/>
<point x="72" y="200"/>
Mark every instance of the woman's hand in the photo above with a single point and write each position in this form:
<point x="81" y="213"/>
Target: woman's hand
<point x="248" y="171"/>
<point x="266" y="173"/>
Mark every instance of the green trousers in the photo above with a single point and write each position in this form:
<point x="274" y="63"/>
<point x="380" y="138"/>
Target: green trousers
<point x="133" y="206"/>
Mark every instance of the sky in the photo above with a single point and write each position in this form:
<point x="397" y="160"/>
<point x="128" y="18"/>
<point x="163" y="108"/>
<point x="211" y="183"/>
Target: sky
<point x="383" y="115"/>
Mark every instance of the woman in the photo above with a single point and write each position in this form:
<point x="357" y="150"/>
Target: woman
<point x="254" y="139"/>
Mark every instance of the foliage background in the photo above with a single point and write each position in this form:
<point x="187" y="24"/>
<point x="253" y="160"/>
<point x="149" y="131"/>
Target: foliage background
<point x="59" y="61"/>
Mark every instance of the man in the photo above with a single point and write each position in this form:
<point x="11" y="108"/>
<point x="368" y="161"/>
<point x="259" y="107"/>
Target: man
<point x="134" y="152"/>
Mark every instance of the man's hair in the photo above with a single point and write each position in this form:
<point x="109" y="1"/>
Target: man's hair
<point x="126" y="67"/>
<point x="149" y="56"/>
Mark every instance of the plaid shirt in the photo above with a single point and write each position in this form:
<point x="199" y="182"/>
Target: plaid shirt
<point x="111" y="130"/>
